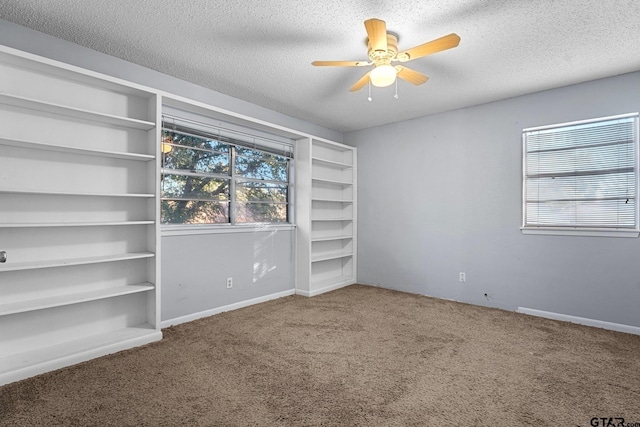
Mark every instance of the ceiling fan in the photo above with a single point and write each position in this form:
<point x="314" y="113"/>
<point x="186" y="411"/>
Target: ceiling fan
<point x="383" y="50"/>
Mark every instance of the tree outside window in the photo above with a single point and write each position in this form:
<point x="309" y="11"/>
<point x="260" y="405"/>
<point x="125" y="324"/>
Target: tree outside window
<point x="206" y="180"/>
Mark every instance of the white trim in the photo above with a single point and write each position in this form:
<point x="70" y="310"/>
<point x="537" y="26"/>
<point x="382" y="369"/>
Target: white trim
<point x="230" y="307"/>
<point x="329" y="288"/>
<point x="567" y="231"/>
<point x="581" y="122"/>
<point x="66" y="357"/>
<point x="581" y="320"/>
<point x="187" y="229"/>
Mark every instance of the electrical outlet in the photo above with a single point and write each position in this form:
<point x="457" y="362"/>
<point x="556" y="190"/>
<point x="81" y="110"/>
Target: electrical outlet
<point x="229" y="282"/>
<point x="462" y="278"/>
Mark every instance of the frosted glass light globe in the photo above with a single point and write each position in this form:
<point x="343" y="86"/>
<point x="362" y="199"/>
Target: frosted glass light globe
<point x="383" y="75"/>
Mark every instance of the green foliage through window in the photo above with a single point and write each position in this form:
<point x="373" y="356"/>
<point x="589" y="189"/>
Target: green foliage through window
<point x="208" y="181"/>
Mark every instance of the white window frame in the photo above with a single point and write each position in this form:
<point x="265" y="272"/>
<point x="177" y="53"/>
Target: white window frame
<point x="581" y="230"/>
<point x="253" y="140"/>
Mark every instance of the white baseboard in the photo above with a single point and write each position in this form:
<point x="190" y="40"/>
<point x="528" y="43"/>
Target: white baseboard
<point x="330" y="288"/>
<point x="61" y="355"/>
<point x="581" y="320"/>
<point x="218" y="310"/>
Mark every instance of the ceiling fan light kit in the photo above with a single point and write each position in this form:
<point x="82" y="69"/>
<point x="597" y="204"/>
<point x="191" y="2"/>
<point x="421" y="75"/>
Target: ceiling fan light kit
<point x="383" y="75"/>
<point x="383" y="50"/>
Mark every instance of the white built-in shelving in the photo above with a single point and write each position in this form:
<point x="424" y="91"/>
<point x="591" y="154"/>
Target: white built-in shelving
<point x="79" y="215"/>
<point x="326" y="216"/>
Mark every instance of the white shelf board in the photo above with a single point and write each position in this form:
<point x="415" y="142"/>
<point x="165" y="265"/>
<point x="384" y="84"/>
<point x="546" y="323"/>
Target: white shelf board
<point x="72" y="298"/>
<point x="29" y="363"/>
<point x="331" y="163"/>
<point x="330" y="255"/>
<point x="32" y="265"/>
<point x="75" y="150"/>
<point x="331" y="219"/>
<point x="330" y="238"/>
<point x="78" y="113"/>
<point x="332" y="181"/>
<point x="320" y="199"/>
<point x="75" y="224"/>
<point x="70" y="193"/>
<point x="336" y="146"/>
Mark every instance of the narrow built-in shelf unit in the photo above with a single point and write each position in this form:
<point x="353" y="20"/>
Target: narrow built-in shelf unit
<point x="326" y="238"/>
<point x="79" y="219"/>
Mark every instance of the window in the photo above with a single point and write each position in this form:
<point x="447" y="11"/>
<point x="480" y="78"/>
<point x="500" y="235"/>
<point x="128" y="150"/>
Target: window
<point x="216" y="176"/>
<point x="582" y="176"/>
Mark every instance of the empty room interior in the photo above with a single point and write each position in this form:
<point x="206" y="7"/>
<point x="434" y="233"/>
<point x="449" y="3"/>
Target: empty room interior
<point x="319" y="213"/>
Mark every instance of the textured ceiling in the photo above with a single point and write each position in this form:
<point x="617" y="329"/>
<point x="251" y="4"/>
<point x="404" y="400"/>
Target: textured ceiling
<point x="261" y="51"/>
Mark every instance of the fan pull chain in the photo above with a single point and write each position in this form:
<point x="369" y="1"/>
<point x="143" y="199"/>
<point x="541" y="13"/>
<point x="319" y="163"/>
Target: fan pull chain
<point x="369" y="98"/>
<point x="396" y="95"/>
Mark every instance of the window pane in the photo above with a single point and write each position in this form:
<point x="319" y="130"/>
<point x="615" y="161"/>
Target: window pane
<point x="582" y="135"/>
<point x="195" y="154"/>
<point x="616" y="185"/>
<point x="582" y="175"/>
<point x="259" y="165"/>
<point x="192" y="187"/>
<point x="194" y="212"/>
<point x="188" y="159"/>
<point x="581" y="159"/>
<point x="260" y="212"/>
<point x="202" y="143"/>
<point x="261" y="192"/>
<point x="261" y="202"/>
<point x="595" y="213"/>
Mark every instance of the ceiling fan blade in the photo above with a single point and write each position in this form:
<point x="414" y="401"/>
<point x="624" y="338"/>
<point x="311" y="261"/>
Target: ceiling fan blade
<point x="412" y="76"/>
<point x="340" y="63"/>
<point x="377" y="32"/>
<point x="360" y="83"/>
<point x="443" y="43"/>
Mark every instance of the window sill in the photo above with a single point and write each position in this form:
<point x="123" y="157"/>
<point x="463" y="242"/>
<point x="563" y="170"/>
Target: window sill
<point x="185" y="230"/>
<point x="590" y="232"/>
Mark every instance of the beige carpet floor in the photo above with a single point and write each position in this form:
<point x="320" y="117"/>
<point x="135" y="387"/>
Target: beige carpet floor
<point x="359" y="356"/>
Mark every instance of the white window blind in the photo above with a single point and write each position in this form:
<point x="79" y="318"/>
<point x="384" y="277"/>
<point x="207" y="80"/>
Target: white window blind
<point x="582" y="175"/>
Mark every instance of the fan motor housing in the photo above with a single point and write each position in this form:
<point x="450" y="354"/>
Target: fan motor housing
<point x="378" y="56"/>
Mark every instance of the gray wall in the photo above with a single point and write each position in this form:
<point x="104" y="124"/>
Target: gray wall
<point x="194" y="267"/>
<point x="441" y="195"/>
